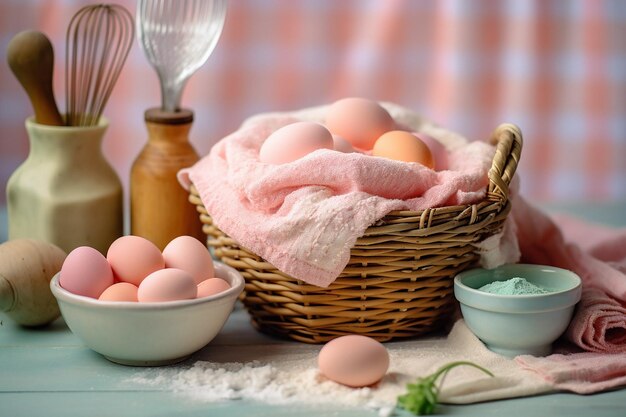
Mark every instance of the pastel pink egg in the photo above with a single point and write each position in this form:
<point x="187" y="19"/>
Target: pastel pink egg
<point x="294" y="141"/>
<point x="342" y="145"/>
<point x="133" y="258"/>
<point x="359" y="121"/>
<point x="86" y="272"/>
<point x="438" y="150"/>
<point x="353" y="360"/>
<point x="167" y="284"/>
<point x="212" y="286"/>
<point x="190" y="255"/>
<point x="121" y="291"/>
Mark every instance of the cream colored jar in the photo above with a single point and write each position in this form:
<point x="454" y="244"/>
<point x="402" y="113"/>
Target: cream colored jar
<point x="66" y="193"/>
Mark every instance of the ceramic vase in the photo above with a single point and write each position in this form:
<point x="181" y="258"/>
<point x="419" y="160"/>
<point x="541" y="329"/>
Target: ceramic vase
<point x="66" y="192"/>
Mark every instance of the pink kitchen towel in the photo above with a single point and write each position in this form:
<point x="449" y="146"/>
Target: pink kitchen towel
<point x="304" y="216"/>
<point x="582" y="373"/>
<point x="599" y="324"/>
<point x="597" y="254"/>
<point x="542" y="241"/>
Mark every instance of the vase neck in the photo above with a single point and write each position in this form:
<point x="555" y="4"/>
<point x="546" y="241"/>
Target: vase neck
<point x="69" y="143"/>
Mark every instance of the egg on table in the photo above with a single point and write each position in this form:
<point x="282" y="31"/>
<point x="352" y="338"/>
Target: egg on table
<point x="353" y="360"/>
<point x="86" y="272"/>
<point x="404" y="146"/>
<point x="294" y="141"/>
<point x="359" y="121"/>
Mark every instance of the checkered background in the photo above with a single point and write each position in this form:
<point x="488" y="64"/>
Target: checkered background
<point x="557" y="68"/>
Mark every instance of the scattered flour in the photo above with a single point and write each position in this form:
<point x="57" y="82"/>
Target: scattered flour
<point x="287" y="382"/>
<point x="288" y="374"/>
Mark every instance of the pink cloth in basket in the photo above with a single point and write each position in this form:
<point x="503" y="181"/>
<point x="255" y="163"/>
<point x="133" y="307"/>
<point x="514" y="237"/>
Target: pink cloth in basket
<point x="304" y="216"/>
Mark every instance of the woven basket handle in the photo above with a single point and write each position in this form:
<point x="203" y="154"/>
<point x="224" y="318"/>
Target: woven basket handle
<point x="508" y="140"/>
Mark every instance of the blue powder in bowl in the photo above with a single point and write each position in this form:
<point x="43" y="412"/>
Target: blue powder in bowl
<point x="513" y="286"/>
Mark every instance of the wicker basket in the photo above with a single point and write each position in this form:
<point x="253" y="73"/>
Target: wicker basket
<point x="399" y="280"/>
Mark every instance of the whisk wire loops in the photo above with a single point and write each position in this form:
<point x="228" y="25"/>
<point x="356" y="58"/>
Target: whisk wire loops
<point x="98" y="40"/>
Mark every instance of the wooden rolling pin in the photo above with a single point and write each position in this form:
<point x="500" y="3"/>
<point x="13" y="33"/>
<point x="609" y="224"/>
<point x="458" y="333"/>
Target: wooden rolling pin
<point x="26" y="268"/>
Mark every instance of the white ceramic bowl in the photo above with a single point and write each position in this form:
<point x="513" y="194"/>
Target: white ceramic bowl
<point x="149" y="334"/>
<point x="518" y="324"/>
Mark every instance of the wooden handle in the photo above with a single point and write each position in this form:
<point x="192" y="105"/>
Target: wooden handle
<point x="31" y="58"/>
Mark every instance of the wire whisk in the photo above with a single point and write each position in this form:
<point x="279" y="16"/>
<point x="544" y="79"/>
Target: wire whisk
<point x="98" y="40"/>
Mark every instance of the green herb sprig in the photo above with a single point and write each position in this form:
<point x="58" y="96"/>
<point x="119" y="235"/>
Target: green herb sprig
<point x="421" y="398"/>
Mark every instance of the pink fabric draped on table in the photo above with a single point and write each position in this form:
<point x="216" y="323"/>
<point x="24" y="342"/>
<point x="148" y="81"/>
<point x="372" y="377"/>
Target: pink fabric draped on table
<point x="600" y="321"/>
<point x="598" y="255"/>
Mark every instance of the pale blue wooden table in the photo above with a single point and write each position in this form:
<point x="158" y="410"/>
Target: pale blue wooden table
<point x="49" y="372"/>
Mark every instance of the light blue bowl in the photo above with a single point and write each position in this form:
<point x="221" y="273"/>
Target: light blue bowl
<point x="518" y="324"/>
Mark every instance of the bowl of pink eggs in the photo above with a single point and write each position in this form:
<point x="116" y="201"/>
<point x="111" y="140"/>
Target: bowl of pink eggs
<point x="143" y="307"/>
